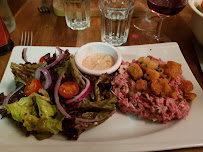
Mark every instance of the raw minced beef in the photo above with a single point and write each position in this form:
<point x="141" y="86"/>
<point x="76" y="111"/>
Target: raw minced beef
<point x="138" y="97"/>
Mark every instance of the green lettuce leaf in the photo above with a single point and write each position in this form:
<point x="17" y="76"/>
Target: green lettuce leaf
<point x="99" y="103"/>
<point x="71" y="71"/>
<point x="199" y="8"/>
<point x="66" y="68"/>
<point x="24" y="72"/>
<point x="106" y="104"/>
<point x="36" y="113"/>
<point x="76" y="73"/>
<point x="97" y="91"/>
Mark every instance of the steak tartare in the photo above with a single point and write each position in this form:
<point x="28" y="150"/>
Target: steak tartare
<point x="153" y="89"/>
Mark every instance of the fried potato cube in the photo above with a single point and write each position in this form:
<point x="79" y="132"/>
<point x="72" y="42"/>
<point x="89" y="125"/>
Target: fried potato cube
<point x="160" y="70"/>
<point x="162" y="65"/>
<point x="152" y="75"/>
<point x="156" y="88"/>
<point x="153" y="64"/>
<point x="149" y="65"/>
<point x="135" y="71"/>
<point x="143" y="60"/>
<point x="189" y="96"/>
<point x="163" y="81"/>
<point x="173" y="95"/>
<point x="161" y="87"/>
<point x="186" y="86"/>
<point x="141" y="85"/>
<point x="166" y="89"/>
<point x="173" y="69"/>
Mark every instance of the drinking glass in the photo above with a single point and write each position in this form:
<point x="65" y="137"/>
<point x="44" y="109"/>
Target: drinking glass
<point x="165" y="8"/>
<point x="144" y="20"/>
<point x="115" y="20"/>
<point x="77" y="14"/>
<point x="7" y="16"/>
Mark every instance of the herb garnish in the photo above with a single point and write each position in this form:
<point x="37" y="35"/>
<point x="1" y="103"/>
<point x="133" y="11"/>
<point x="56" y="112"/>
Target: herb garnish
<point x="122" y="87"/>
<point x="130" y="94"/>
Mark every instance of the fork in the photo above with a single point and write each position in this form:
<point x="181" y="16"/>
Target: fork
<point x="26" y="38"/>
<point x="44" y="8"/>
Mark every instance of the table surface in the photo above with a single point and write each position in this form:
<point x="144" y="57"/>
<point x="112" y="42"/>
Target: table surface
<point x="51" y="30"/>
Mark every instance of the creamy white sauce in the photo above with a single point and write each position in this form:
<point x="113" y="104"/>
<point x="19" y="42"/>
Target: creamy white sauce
<point x="98" y="61"/>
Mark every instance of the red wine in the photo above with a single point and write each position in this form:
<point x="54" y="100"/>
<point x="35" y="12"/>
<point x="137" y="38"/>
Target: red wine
<point x="166" y="7"/>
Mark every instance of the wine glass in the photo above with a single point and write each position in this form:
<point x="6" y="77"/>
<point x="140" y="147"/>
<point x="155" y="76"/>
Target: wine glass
<point x="165" y="8"/>
<point x="145" y="20"/>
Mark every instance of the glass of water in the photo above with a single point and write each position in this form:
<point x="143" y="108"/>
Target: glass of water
<point x="77" y="14"/>
<point x="115" y="20"/>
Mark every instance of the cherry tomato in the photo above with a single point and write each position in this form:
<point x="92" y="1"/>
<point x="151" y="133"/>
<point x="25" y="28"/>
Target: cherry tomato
<point x="32" y="86"/>
<point x="202" y="5"/>
<point x="68" y="89"/>
<point x="41" y="60"/>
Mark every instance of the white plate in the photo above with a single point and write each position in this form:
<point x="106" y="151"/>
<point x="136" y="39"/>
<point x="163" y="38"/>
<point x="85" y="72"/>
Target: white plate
<point x="120" y="132"/>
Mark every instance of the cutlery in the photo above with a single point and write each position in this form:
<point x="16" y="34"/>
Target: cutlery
<point x="44" y="8"/>
<point x="26" y="38"/>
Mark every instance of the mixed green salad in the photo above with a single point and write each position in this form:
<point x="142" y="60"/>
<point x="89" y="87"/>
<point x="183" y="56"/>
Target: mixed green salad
<point x="52" y="97"/>
<point x="200" y="7"/>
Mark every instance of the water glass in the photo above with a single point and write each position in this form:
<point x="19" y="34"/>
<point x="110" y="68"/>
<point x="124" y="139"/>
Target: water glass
<point x="115" y="20"/>
<point x="7" y="16"/>
<point x="77" y="14"/>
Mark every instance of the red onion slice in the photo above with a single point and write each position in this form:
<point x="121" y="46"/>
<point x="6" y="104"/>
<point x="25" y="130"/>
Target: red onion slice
<point x="58" y="82"/>
<point x="115" y="95"/>
<point x="61" y="109"/>
<point x="83" y="93"/>
<point x="95" y="120"/>
<point x="11" y="94"/>
<point x="61" y="55"/>
<point x="24" y="56"/>
<point x="47" y="76"/>
<point x="60" y="50"/>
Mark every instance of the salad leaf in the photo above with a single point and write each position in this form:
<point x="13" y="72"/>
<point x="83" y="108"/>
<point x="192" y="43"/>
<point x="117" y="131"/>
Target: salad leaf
<point x="102" y="79"/>
<point x="66" y="68"/>
<point x="107" y="104"/>
<point x="36" y="113"/>
<point x="96" y="105"/>
<point x="100" y="98"/>
<point x="76" y="73"/>
<point x="24" y="72"/>
<point x="73" y="129"/>
<point x="71" y="71"/>
<point x="199" y="8"/>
